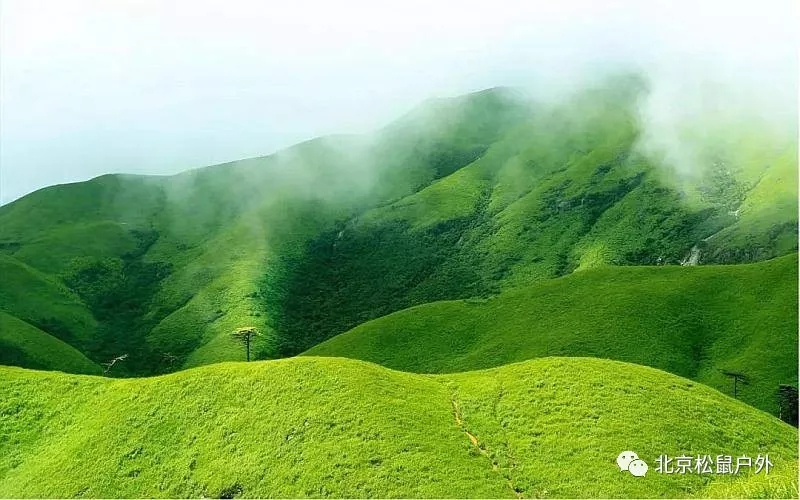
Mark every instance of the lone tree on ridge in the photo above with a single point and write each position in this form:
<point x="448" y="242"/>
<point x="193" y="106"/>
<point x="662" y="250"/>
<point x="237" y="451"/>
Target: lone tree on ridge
<point x="245" y="335"/>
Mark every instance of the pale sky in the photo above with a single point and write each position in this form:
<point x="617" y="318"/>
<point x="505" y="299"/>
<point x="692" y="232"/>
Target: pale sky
<point x="92" y="87"/>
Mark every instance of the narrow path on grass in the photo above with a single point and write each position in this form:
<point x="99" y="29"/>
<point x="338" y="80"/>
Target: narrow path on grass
<point x="481" y="447"/>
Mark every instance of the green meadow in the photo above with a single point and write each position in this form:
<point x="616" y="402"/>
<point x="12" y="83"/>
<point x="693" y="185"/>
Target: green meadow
<point x="343" y="428"/>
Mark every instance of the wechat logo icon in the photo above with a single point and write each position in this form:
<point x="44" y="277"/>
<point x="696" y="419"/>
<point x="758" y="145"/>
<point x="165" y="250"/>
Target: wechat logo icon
<point x="630" y="461"/>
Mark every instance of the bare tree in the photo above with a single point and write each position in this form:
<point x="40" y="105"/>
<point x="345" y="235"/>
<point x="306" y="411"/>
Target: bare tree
<point x="169" y="358"/>
<point x="246" y="335"/>
<point x="738" y="378"/>
<point x="114" y="361"/>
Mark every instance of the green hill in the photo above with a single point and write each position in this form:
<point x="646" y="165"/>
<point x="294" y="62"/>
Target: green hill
<point x="461" y="197"/>
<point x="335" y="427"/>
<point x="691" y="321"/>
<point x="567" y="189"/>
<point x="170" y="265"/>
<point x="22" y="344"/>
<point x="43" y="301"/>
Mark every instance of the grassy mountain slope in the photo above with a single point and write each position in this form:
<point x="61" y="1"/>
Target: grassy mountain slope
<point x="692" y="321"/>
<point x="170" y="265"/>
<point x="335" y="427"/>
<point x="462" y="197"/>
<point x="567" y="189"/>
<point x="43" y="301"/>
<point x="22" y="344"/>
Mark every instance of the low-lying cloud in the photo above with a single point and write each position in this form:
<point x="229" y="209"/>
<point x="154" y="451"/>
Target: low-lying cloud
<point x="89" y="87"/>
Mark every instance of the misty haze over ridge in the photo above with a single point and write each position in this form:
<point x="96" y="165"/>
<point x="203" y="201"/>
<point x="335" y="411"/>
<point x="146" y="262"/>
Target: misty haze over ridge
<point x="141" y="87"/>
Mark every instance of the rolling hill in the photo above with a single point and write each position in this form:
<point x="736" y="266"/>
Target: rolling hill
<point x="691" y="321"/>
<point x="345" y="428"/>
<point x="22" y="344"/>
<point x="33" y="302"/>
<point x="43" y="301"/>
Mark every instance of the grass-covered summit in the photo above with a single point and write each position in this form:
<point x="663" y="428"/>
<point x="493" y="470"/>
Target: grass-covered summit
<point x="344" y="428"/>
